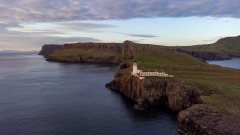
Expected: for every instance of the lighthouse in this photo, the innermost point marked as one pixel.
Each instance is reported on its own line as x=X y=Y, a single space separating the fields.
x=141 y=75
x=135 y=69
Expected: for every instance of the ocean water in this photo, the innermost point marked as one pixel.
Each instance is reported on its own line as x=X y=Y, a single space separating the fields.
x=46 y=98
x=233 y=63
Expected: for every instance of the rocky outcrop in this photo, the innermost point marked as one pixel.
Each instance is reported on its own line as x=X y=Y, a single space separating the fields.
x=128 y=50
x=194 y=117
x=176 y=95
x=202 y=119
x=48 y=49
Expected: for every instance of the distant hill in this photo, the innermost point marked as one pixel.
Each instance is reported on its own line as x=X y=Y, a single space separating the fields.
x=228 y=45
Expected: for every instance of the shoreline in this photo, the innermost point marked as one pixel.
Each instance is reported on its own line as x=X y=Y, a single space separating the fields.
x=180 y=96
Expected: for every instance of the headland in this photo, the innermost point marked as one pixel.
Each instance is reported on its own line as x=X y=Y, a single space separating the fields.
x=205 y=96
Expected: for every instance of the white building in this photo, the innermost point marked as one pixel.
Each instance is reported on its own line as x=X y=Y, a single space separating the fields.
x=142 y=75
x=135 y=69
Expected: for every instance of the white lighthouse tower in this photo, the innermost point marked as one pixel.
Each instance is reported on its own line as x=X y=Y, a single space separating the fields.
x=135 y=69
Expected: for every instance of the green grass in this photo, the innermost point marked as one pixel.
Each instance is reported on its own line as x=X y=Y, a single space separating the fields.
x=229 y=45
x=219 y=86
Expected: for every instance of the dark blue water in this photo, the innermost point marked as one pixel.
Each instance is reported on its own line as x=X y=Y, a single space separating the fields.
x=44 y=98
x=233 y=63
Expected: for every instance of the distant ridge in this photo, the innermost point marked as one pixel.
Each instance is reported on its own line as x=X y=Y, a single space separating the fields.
x=8 y=51
x=228 y=45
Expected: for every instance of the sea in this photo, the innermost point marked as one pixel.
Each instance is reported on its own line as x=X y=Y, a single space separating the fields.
x=233 y=63
x=48 y=98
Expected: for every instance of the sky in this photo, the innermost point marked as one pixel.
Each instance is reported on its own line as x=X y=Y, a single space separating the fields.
x=29 y=24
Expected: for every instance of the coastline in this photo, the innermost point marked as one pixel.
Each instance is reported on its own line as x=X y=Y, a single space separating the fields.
x=178 y=96
x=225 y=63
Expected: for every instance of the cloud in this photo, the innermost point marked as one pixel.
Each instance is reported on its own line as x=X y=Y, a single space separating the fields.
x=72 y=15
x=14 y=12
x=59 y=27
x=82 y=26
x=142 y=35
x=31 y=40
x=137 y=35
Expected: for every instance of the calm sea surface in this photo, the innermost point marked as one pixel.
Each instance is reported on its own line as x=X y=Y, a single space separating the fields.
x=46 y=98
x=233 y=63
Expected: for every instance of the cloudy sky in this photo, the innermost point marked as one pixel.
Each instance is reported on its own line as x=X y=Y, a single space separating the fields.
x=28 y=24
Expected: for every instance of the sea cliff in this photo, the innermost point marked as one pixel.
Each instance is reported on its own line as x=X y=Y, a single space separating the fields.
x=206 y=55
x=51 y=52
x=98 y=53
x=146 y=93
x=48 y=49
x=194 y=92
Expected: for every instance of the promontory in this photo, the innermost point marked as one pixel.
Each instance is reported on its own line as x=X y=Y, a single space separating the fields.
x=206 y=97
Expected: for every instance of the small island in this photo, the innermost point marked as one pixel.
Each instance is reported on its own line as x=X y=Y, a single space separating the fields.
x=206 y=97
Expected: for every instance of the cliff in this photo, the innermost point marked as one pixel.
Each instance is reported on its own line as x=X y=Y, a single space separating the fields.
x=48 y=49
x=198 y=91
x=203 y=119
x=86 y=53
x=205 y=96
x=206 y=55
x=176 y=95
x=75 y=57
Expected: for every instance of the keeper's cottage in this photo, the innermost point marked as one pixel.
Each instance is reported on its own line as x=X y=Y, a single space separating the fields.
x=141 y=75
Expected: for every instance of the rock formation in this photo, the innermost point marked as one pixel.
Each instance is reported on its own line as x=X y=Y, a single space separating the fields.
x=48 y=49
x=176 y=95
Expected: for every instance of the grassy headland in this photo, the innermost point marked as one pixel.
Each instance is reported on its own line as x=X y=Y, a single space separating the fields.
x=228 y=45
x=87 y=52
x=218 y=86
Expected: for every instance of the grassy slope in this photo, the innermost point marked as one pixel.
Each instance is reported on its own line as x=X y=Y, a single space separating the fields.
x=219 y=86
x=229 y=45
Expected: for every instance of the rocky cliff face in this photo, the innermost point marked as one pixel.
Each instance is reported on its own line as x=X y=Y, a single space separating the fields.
x=127 y=49
x=48 y=49
x=177 y=96
x=98 y=53
x=194 y=117
x=86 y=59
x=201 y=119
x=206 y=55
x=100 y=46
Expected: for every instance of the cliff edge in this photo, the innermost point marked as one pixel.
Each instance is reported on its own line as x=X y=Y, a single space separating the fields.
x=206 y=96
x=146 y=93
x=198 y=91
x=48 y=49
x=101 y=53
